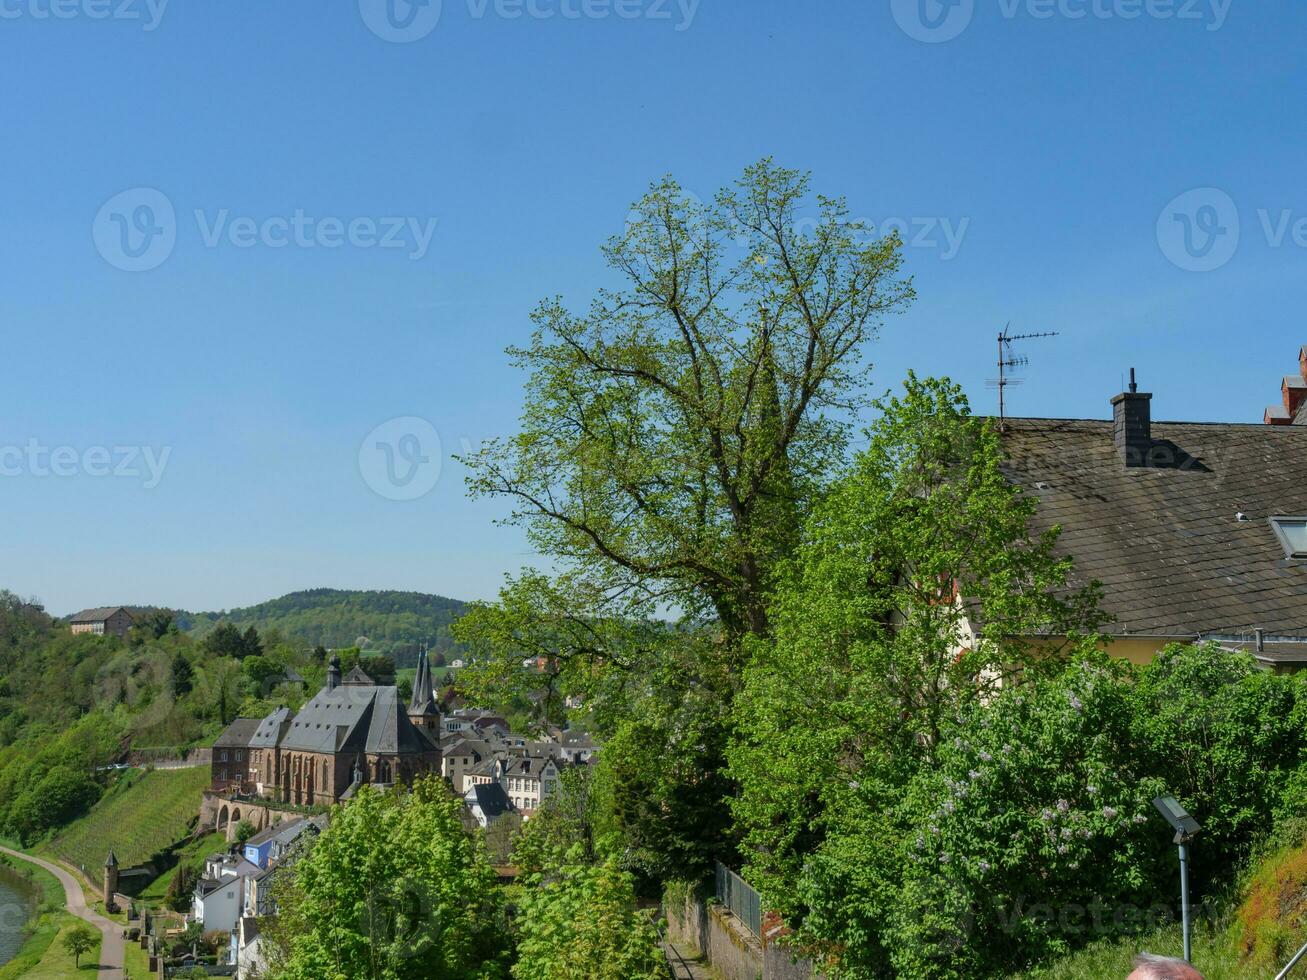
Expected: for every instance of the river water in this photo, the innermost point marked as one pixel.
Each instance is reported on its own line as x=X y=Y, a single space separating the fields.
x=16 y=907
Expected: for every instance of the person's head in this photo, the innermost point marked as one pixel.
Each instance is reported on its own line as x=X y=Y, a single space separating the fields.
x=1150 y=967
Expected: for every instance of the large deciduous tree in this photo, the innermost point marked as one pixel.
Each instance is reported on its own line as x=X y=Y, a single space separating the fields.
x=675 y=432
x=674 y=437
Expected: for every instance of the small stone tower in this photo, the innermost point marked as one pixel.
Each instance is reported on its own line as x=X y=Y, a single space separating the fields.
x=333 y=673
x=110 y=881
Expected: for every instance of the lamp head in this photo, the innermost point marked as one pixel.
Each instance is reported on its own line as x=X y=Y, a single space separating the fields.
x=1178 y=817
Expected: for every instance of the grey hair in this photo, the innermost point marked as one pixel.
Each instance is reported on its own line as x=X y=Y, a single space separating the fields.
x=1165 y=968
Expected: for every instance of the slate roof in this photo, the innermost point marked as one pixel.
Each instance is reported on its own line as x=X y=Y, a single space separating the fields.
x=270 y=729
x=238 y=733
x=97 y=615
x=490 y=797
x=1274 y=653
x=460 y=746
x=355 y=718
x=1173 y=557
x=357 y=676
x=286 y=831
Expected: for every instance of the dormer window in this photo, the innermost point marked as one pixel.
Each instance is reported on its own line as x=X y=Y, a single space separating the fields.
x=1292 y=532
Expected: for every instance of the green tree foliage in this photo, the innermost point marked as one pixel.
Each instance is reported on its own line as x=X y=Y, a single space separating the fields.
x=394 y=888
x=581 y=923
x=179 y=896
x=673 y=429
x=225 y=641
x=220 y=688
x=873 y=649
x=251 y=645
x=45 y=776
x=676 y=434
x=244 y=831
x=1031 y=831
x=61 y=794
x=154 y=624
x=79 y=940
x=183 y=675
x=563 y=825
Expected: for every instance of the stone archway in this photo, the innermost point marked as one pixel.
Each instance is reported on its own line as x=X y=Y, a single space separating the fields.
x=223 y=819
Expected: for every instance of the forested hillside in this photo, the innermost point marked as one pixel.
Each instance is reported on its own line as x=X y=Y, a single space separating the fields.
x=395 y=623
x=72 y=704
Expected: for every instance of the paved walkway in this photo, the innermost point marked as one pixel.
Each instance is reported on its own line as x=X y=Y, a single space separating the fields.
x=111 y=945
x=684 y=966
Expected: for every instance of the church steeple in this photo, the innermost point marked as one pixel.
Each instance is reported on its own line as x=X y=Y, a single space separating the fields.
x=422 y=710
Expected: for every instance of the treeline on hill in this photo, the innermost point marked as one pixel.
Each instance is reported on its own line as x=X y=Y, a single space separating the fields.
x=396 y=624
x=72 y=704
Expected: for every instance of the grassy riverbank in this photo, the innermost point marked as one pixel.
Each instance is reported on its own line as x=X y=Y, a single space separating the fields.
x=41 y=956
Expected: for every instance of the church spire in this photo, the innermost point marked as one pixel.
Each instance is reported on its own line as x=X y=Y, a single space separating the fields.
x=421 y=705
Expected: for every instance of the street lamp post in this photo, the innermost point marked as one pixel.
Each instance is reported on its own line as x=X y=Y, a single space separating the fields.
x=1186 y=827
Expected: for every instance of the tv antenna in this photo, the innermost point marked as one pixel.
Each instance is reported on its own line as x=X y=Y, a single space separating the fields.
x=1008 y=361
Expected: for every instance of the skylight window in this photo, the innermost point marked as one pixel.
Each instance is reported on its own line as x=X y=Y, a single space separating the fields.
x=1292 y=532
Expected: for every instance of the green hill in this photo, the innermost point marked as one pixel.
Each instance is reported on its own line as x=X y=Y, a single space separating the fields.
x=142 y=814
x=395 y=623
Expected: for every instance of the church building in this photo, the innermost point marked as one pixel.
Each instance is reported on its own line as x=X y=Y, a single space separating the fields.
x=351 y=732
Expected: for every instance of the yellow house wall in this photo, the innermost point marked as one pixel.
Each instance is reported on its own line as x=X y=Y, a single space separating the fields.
x=1138 y=650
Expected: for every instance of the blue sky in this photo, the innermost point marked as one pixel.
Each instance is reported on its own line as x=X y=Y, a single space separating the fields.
x=1051 y=147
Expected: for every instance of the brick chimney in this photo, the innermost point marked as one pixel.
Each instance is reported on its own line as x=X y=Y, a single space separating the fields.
x=1132 y=424
x=1293 y=392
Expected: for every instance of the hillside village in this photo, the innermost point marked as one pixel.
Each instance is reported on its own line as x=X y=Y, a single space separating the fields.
x=274 y=780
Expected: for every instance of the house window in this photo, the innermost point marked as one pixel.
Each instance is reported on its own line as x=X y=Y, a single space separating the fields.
x=1292 y=532
x=240 y=756
x=222 y=756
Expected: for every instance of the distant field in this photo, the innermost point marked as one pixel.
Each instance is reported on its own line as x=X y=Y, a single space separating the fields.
x=141 y=815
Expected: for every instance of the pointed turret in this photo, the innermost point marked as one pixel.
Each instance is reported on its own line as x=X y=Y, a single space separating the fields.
x=333 y=673
x=110 y=882
x=422 y=710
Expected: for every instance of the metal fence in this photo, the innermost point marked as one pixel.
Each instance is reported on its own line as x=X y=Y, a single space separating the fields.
x=738 y=896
